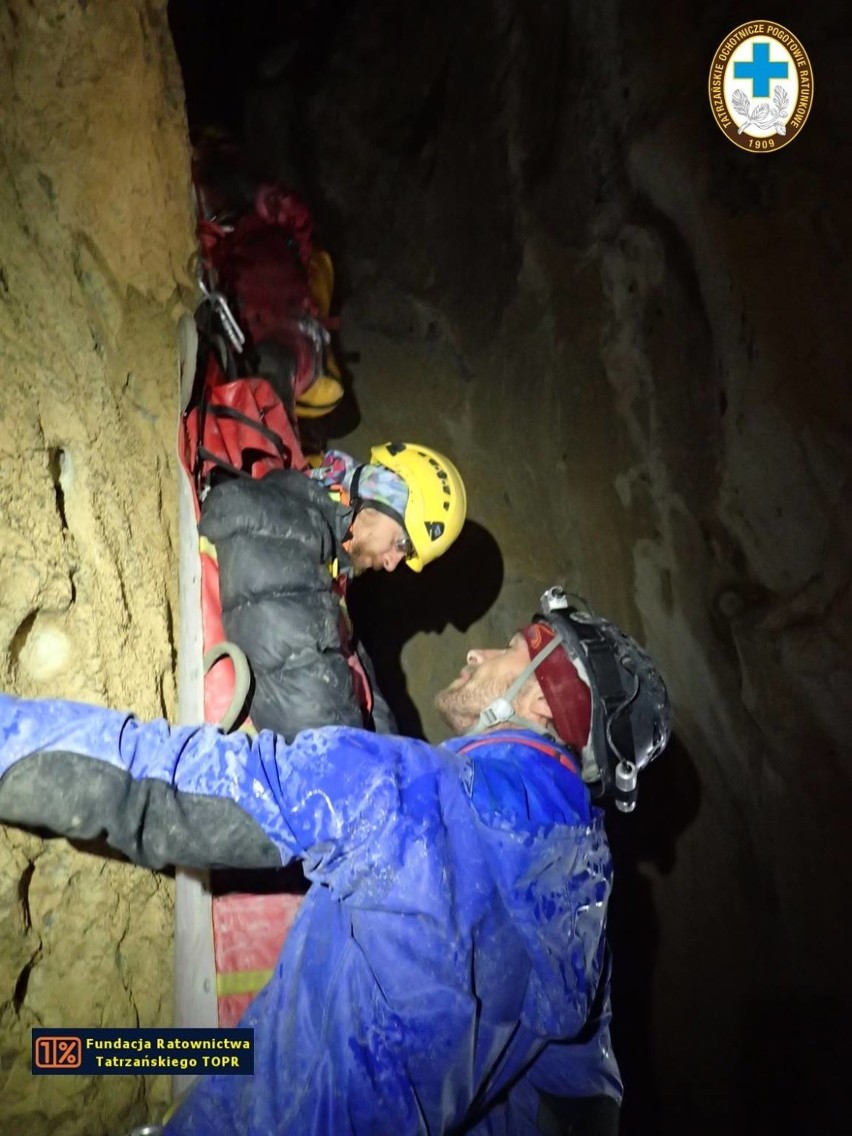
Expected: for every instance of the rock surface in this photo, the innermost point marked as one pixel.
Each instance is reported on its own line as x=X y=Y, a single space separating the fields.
x=94 y=245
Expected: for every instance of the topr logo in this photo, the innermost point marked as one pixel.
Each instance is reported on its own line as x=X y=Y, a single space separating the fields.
x=761 y=86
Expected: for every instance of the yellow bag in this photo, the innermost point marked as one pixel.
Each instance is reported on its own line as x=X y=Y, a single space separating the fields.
x=326 y=391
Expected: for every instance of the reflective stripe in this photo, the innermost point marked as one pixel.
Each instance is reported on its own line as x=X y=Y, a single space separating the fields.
x=347 y=619
x=205 y=545
x=241 y=982
x=339 y=495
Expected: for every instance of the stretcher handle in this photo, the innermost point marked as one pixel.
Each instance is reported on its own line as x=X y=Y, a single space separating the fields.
x=242 y=679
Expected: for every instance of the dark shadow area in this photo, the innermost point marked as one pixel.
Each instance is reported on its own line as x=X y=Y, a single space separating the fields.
x=221 y=43
x=238 y=59
x=223 y=881
x=97 y=847
x=388 y=610
x=795 y=1052
x=290 y=879
x=669 y=800
x=216 y=53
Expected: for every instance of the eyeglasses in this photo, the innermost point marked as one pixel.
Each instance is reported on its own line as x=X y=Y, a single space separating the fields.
x=403 y=544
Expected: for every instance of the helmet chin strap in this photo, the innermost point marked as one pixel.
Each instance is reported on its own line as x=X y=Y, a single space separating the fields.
x=501 y=709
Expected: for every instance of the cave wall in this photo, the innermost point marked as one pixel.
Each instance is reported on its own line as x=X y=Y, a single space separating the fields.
x=631 y=336
x=95 y=238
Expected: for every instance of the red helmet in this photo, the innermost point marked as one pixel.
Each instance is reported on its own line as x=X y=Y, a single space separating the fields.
x=607 y=700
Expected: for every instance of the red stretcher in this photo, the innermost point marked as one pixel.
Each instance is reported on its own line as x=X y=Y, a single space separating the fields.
x=239 y=427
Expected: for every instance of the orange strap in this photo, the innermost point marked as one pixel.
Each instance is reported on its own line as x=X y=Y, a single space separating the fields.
x=338 y=493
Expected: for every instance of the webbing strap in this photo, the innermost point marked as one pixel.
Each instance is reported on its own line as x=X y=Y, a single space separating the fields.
x=238 y=416
x=533 y=666
x=204 y=455
x=502 y=710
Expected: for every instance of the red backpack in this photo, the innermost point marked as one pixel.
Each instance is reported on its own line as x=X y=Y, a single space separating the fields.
x=230 y=427
x=261 y=264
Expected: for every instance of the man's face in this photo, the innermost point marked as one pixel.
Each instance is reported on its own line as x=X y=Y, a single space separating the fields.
x=487 y=675
x=378 y=542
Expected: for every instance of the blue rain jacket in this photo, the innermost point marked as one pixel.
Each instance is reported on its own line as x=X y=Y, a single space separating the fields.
x=449 y=965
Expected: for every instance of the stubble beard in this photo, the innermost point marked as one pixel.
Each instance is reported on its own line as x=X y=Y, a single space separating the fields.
x=361 y=561
x=460 y=705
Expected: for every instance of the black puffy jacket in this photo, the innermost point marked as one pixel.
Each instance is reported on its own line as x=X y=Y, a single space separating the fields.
x=275 y=538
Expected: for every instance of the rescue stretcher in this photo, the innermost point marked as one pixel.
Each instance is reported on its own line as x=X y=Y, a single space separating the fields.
x=230 y=927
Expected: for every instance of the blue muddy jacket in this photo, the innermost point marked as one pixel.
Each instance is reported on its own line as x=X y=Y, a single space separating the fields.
x=448 y=969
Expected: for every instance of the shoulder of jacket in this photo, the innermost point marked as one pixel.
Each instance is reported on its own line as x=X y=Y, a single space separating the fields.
x=525 y=776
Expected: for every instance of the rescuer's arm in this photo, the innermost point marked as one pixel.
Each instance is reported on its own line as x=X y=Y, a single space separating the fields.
x=187 y=795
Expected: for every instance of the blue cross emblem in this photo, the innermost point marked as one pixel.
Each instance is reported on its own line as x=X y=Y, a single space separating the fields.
x=760 y=71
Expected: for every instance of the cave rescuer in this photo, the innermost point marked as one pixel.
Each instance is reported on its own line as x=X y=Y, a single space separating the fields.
x=287 y=545
x=448 y=972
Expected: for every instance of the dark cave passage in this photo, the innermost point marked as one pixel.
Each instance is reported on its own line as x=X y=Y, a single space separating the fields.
x=554 y=265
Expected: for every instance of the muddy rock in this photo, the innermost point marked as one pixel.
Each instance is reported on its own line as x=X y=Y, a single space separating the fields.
x=95 y=242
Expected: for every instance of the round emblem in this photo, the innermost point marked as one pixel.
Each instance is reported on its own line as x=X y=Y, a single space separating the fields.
x=761 y=86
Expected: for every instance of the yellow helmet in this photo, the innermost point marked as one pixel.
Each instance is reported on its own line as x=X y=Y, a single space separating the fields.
x=437 y=502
